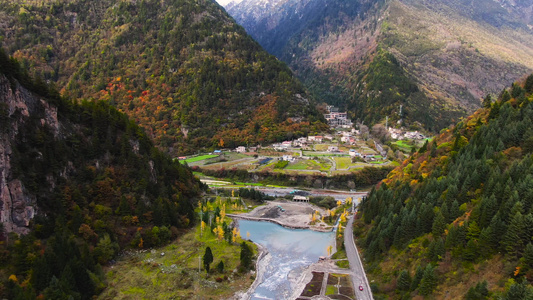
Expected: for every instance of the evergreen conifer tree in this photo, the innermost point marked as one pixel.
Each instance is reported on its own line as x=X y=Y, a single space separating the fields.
x=220 y=267
x=429 y=281
x=417 y=278
x=246 y=256
x=528 y=256
x=208 y=258
x=512 y=240
x=404 y=281
x=479 y=292
x=439 y=224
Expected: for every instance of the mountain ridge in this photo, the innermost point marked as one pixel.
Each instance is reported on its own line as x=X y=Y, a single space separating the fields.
x=78 y=182
x=443 y=48
x=183 y=70
x=445 y=215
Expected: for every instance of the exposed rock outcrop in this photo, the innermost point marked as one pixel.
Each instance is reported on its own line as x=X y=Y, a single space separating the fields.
x=17 y=206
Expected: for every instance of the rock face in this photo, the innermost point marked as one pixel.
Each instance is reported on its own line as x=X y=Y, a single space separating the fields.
x=17 y=206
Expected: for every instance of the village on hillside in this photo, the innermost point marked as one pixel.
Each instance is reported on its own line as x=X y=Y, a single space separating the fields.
x=343 y=150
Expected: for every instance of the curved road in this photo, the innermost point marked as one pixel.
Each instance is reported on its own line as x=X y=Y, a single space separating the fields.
x=358 y=272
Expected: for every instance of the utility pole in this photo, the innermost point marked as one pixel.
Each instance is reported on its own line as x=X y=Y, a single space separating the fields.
x=387 y=123
x=401 y=110
x=199 y=261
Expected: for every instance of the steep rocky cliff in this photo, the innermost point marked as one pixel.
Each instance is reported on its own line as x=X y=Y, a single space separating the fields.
x=17 y=205
x=78 y=182
x=59 y=156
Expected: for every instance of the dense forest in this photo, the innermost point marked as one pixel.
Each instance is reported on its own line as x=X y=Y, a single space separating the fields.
x=456 y=219
x=385 y=85
x=183 y=70
x=98 y=183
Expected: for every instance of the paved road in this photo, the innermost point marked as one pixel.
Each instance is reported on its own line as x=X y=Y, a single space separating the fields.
x=359 y=275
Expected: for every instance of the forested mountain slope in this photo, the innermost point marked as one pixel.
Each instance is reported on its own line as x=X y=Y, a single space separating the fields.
x=182 y=69
x=81 y=181
x=456 y=219
x=435 y=58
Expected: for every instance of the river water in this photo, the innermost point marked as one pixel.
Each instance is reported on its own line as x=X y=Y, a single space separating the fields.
x=289 y=249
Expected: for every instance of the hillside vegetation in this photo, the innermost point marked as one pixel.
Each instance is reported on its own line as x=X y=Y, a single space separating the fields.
x=456 y=219
x=93 y=178
x=182 y=69
x=436 y=59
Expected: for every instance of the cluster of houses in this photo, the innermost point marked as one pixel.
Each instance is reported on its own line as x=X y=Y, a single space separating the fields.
x=399 y=134
x=346 y=137
x=366 y=157
x=337 y=119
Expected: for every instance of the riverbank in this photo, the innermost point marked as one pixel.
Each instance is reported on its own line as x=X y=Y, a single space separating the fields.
x=263 y=258
x=175 y=271
x=294 y=215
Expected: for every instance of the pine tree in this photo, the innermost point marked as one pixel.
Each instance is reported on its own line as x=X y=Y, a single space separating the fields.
x=519 y=291
x=494 y=110
x=417 y=278
x=528 y=256
x=512 y=240
x=439 y=224
x=505 y=96
x=220 y=267
x=529 y=84
x=246 y=256
x=487 y=101
x=479 y=292
x=471 y=251
x=404 y=281
x=429 y=281
x=208 y=258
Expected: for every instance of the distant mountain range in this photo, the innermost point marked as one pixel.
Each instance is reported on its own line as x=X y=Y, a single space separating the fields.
x=184 y=70
x=434 y=58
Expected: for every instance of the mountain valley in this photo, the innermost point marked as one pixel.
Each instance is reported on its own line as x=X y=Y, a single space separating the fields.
x=135 y=134
x=443 y=57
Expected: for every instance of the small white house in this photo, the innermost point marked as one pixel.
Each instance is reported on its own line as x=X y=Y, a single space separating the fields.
x=333 y=149
x=286 y=144
x=354 y=153
x=277 y=147
x=316 y=138
x=287 y=158
x=240 y=149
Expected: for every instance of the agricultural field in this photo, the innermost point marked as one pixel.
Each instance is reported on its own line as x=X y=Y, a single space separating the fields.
x=345 y=162
x=307 y=161
x=340 y=284
x=308 y=164
x=199 y=158
x=404 y=146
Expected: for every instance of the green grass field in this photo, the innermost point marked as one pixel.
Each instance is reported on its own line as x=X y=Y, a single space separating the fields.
x=308 y=165
x=199 y=158
x=171 y=272
x=344 y=162
x=403 y=145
